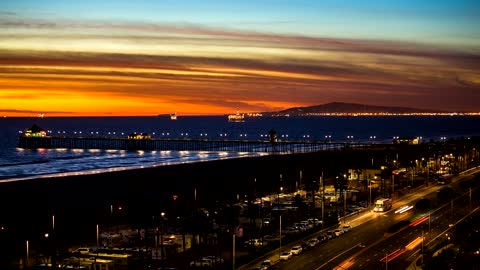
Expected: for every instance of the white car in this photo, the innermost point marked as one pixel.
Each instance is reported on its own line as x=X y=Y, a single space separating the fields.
x=285 y=256
x=347 y=228
x=201 y=262
x=296 y=250
x=338 y=232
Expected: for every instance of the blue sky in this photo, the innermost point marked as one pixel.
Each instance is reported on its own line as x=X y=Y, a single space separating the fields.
x=426 y=21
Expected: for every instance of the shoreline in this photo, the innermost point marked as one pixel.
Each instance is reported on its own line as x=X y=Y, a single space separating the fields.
x=126 y=168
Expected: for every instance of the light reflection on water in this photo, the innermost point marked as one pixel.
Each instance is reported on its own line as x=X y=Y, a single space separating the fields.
x=64 y=162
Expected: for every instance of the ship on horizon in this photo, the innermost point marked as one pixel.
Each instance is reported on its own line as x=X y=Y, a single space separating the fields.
x=236 y=117
x=173 y=116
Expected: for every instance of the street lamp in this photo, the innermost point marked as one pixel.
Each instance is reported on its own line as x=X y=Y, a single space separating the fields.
x=161 y=236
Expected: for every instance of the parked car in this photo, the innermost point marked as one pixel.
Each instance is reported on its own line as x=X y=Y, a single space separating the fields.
x=322 y=238
x=267 y=264
x=338 y=232
x=314 y=221
x=296 y=250
x=285 y=256
x=214 y=259
x=270 y=238
x=347 y=228
x=313 y=242
x=331 y=234
x=291 y=229
x=253 y=242
x=201 y=262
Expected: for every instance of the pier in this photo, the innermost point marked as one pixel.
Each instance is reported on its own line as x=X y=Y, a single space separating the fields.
x=162 y=144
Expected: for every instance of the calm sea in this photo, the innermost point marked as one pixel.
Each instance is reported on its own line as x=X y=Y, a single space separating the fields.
x=18 y=164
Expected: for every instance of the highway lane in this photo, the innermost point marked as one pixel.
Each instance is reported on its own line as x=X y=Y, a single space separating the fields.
x=369 y=242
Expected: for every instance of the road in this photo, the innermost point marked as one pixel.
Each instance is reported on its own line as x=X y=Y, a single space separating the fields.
x=370 y=245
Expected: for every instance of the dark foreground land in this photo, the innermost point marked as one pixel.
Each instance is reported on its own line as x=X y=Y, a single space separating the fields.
x=134 y=197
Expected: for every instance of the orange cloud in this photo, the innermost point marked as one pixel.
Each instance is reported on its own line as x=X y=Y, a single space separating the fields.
x=138 y=69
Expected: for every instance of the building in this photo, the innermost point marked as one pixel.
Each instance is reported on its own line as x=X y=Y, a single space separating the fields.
x=407 y=140
x=35 y=131
x=139 y=136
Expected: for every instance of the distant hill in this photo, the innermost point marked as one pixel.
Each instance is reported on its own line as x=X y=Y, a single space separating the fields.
x=346 y=108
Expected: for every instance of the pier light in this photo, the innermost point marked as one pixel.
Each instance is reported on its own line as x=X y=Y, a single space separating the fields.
x=186 y=134
x=181 y=134
x=221 y=135
x=153 y=133
x=241 y=135
x=64 y=132
x=122 y=133
x=206 y=134
x=80 y=132
x=109 y=133
x=113 y=133
x=163 y=134
x=97 y=132
x=74 y=132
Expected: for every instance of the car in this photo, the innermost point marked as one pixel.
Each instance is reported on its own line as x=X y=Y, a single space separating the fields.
x=201 y=262
x=347 y=228
x=313 y=242
x=267 y=264
x=285 y=256
x=291 y=229
x=214 y=259
x=331 y=234
x=296 y=250
x=270 y=238
x=322 y=238
x=338 y=232
x=253 y=242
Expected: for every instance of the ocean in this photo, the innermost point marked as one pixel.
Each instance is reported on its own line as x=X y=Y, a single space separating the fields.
x=20 y=164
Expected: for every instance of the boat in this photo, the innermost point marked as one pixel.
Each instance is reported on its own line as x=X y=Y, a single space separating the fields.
x=173 y=116
x=236 y=117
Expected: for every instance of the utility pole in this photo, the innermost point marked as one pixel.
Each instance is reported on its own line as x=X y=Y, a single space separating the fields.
x=323 y=194
x=393 y=186
x=345 y=207
x=422 y=246
x=280 y=248
x=233 y=248
x=386 y=261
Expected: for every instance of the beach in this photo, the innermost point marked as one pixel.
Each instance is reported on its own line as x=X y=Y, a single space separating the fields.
x=78 y=203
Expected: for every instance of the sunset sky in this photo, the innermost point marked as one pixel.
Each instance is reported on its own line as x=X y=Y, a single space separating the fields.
x=116 y=57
